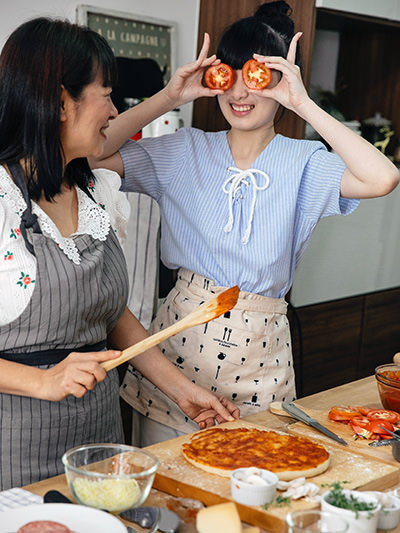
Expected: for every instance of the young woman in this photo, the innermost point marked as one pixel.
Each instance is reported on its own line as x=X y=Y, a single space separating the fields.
x=62 y=275
x=239 y=207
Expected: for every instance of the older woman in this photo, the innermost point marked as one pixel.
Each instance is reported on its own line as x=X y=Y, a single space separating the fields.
x=63 y=277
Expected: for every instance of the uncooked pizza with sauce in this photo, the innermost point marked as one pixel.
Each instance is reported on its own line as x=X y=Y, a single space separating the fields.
x=221 y=450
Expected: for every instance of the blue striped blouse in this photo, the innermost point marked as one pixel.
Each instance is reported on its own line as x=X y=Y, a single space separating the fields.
x=185 y=173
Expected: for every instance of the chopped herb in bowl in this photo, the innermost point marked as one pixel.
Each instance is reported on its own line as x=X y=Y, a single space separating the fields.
x=359 y=509
x=339 y=498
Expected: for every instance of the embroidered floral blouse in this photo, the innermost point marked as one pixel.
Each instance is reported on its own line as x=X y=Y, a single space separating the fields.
x=18 y=266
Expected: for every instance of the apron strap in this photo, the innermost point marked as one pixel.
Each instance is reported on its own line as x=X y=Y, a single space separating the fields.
x=28 y=219
x=49 y=357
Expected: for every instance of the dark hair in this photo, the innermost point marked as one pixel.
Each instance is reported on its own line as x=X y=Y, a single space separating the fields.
x=40 y=57
x=268 y=32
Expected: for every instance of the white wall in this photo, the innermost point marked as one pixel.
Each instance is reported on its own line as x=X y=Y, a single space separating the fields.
x=389 y=9
x=352 y=255
x=184 y=13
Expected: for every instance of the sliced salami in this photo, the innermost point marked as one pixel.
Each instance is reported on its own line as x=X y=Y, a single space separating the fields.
x=44 y=526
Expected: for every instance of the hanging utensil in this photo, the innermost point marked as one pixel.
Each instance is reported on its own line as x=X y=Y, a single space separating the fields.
x=204 y=313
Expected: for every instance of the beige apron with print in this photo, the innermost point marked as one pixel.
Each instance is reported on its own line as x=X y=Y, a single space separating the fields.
x=244 y=355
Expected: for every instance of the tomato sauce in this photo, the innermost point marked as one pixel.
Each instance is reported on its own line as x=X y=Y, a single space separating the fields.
x=390 y=395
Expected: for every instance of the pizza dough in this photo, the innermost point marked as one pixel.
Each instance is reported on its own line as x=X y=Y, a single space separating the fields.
x=219 y=451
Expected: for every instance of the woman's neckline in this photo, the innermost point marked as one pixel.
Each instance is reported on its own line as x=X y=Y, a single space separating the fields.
x=246 y=162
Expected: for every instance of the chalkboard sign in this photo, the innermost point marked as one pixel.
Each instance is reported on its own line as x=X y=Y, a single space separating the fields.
x=134 y=36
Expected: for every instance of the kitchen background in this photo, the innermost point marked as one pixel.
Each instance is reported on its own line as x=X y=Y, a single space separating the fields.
x=345 y=302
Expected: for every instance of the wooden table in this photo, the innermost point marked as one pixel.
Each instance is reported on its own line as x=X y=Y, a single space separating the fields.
x=361 y=392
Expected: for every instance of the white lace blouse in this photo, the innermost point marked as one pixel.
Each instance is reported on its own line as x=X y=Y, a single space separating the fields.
x=18 y=266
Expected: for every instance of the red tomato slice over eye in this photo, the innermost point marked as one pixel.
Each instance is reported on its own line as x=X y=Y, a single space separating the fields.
x=384 y=414
x=256 y=75
x=219 y=77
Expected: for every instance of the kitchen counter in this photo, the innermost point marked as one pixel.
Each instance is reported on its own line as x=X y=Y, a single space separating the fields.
x=361 y=392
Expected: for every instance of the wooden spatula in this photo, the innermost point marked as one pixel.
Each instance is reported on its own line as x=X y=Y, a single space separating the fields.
x=204 y=313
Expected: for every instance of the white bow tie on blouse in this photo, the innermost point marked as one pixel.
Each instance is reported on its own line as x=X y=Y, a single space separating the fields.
x=232 y=185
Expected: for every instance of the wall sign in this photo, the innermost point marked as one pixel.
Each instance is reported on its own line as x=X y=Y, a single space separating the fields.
x=134 y=36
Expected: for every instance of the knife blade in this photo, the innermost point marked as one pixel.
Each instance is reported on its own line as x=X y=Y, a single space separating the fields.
x=297 y=413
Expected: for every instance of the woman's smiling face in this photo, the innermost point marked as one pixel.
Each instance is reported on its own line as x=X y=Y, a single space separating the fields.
x=246 y=110
x=83 y=123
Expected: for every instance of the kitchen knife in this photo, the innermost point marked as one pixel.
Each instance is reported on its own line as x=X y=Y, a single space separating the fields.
x=297 y=413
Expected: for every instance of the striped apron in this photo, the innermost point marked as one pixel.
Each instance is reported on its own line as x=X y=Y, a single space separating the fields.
x=73 y=308
x=244 y=355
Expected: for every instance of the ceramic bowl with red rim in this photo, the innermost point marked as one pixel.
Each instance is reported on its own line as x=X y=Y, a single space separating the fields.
x=388 y=382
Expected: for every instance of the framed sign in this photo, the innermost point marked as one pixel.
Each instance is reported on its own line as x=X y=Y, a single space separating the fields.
x=134 y=36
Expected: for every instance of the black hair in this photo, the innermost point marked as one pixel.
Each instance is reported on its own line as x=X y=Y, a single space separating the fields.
x=268 y=32
x=40 y=57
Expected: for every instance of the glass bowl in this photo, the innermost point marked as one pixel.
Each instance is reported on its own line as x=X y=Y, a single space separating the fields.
x=111 y=477
x=388 y=382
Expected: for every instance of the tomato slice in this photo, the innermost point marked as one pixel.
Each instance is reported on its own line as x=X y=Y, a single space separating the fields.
x=384 y=414
x=360 y=426
x=362 y=432
x=342 y=414
x=256 y=75
x=379 y=426
x=363 y=410
x=360 y=421
x=219 y=77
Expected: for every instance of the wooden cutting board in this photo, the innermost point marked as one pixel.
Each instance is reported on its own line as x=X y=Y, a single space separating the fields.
x=178 y=477
x=360 y=446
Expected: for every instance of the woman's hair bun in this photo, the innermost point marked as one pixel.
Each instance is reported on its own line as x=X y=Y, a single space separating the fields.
x=277 y=15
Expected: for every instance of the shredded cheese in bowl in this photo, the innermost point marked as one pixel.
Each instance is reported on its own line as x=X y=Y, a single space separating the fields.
x=114 y=495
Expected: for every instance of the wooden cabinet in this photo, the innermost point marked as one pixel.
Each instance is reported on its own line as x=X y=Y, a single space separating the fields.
x=340 y=341
x=215 y=16
x=368 y=67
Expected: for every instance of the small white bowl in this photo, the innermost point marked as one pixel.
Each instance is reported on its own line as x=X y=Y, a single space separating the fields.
x=246 y=491
x=363 y=521
x=389 y=515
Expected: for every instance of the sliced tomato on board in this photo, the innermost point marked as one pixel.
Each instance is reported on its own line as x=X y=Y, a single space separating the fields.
x=342 y=414
x=256 y=75
x=219 y=77
x=360 y=426
x=379 y=427
x=363 y=410
x=361 y=421
x=384 y=414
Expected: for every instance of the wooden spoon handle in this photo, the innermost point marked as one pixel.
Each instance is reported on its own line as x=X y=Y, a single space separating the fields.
x=144 y=345
x=204 y=313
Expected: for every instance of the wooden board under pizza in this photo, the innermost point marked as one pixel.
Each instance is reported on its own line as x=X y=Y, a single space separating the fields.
x=178 y=477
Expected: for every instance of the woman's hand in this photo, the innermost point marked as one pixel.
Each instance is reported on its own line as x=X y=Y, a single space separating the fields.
x=290 y=90
x=75 y=375
x=185 y=84
x=206 y=408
